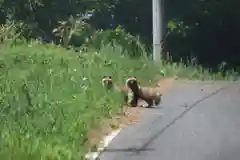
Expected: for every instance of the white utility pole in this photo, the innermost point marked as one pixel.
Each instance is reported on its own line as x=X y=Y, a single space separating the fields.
x=157 y=17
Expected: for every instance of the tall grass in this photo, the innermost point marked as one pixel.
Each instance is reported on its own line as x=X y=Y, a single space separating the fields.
x=51 y=97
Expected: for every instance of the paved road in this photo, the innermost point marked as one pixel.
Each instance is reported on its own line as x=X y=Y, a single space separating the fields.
x=196 y=121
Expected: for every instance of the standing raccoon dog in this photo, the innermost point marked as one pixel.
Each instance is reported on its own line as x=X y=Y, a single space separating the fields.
x=107 y=82
x=151 y=95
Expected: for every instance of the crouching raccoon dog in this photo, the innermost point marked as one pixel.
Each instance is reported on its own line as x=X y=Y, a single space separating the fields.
x=107 y=82
x=151 y=95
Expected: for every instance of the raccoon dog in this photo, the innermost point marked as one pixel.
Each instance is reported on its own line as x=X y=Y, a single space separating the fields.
x=151 y=95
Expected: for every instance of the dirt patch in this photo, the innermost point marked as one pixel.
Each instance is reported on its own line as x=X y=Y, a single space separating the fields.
x=163 y=83
x=130 y=116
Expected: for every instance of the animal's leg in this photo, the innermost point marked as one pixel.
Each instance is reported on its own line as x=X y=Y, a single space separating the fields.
x=134 y=100
x=158 y=100
x=150 y=103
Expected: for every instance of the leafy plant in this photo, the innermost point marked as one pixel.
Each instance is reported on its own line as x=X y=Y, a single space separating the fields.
x=67 y=29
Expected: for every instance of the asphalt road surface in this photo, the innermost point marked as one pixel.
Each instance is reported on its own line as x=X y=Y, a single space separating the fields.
x=196 y=121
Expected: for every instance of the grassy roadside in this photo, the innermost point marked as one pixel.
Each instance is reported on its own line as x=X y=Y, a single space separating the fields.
x=51 y=98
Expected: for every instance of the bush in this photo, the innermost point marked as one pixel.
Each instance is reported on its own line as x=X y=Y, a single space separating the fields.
x=117 y=37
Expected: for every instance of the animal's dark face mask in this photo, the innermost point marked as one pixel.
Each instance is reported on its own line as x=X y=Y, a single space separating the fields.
x=131 y=82
x=107 y=82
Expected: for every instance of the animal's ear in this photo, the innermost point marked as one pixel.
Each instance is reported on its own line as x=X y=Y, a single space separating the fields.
x=128 y=77
x=110 y=77
x=132 y=77
x=104 y=76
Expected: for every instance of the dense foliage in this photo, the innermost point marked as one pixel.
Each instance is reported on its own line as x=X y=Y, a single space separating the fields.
x=207 y=30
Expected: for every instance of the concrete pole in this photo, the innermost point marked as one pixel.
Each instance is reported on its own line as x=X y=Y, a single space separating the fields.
x=157 y=17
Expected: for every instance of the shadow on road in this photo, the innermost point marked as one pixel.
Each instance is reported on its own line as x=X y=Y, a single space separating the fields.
x=136 y=150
